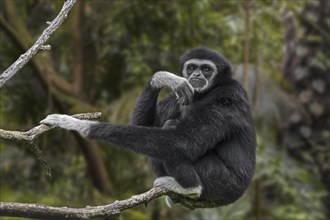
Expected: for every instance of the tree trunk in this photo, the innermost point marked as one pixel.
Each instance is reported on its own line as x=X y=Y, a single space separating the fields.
x=95 y=165
x=78 y=47
x=90 y=150
x=247 y=22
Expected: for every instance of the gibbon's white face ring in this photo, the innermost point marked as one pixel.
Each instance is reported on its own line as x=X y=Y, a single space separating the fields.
x=200 y=62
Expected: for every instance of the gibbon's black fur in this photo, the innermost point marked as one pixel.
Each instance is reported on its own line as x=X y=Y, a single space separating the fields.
x=206 y=142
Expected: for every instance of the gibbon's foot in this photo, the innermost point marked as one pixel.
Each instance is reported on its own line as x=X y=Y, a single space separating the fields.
x=58 y=120
x=69 y=123
x=170 y=203
x=171 y=184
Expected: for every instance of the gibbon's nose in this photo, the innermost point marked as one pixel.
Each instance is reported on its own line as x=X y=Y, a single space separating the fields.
x=197 y=74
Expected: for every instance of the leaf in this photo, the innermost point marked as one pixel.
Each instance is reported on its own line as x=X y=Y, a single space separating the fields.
x=318 y=85
x=305 y=131
x=302 y=51
x=300 y=73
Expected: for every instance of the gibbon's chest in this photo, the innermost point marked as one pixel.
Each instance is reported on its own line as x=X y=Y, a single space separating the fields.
x=185 y=110
x=180 y=112
x=175 y=119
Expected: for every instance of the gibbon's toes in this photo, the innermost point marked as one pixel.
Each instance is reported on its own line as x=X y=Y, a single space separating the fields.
x=194 y=195
x=171 y=184
x=170 y=203
x=49 y=120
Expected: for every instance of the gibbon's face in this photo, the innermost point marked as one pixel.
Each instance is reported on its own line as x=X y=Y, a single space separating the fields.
x=199 y=73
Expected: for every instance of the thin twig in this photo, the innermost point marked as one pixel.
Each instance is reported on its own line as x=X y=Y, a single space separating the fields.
x=38 y=45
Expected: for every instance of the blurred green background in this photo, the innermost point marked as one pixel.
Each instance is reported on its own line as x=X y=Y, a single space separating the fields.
x=103 y=55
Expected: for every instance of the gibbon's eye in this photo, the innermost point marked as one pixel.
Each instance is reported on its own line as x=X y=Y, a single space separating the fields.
x=206 y=68
x=191 y=67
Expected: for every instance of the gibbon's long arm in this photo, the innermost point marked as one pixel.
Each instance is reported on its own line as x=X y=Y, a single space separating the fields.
x=191 y=138
x=144 y=112
x=145 y=108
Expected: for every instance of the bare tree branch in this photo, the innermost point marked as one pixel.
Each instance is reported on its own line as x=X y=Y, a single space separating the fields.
x=38 y=45
x=110 y=211
x=40 y=129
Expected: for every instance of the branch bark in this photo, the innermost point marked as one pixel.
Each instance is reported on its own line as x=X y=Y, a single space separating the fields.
x=38 y=45
x=40 y=129
x=110 y=211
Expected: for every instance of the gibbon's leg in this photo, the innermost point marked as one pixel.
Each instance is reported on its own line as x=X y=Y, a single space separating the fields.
x=182 y=179
x=158 y=167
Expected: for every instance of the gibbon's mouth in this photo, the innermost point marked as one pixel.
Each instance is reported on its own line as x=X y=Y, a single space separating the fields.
x=197 y=83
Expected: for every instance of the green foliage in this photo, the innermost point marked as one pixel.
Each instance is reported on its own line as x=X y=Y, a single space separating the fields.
x=291 y=190
x=124 y=43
